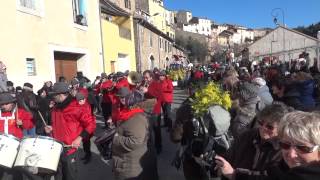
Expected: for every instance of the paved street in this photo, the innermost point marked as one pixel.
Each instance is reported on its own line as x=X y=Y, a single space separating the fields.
x=98 y=170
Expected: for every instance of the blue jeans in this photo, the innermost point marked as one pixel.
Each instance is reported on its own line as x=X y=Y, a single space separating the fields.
x=29 y=132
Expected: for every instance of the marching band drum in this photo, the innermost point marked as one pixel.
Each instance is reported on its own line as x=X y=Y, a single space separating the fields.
x=41 y=152
x=9 y=146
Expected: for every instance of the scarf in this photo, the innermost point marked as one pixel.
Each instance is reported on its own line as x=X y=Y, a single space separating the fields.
x=127 y=113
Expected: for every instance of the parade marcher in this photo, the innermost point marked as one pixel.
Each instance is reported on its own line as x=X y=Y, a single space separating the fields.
x=81 y=78
x=11 y=88
x=43 y=102
x=85 y=141
x=30 y=100
x=258 y=148
x=130 y=151
x=167 y=92
x=106 y=92
x=151 y=89
x=71 y=123
x=13 y=120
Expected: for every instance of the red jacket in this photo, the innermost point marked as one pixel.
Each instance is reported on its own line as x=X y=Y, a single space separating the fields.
x=198 y=75
x=123 y=82
x=167 y=90
x=106 y=96
x=70 y=121
x=84 y=91
x=154 y=91
x=13 y=128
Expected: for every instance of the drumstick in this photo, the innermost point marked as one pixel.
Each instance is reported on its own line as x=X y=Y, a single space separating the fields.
x=41 y=117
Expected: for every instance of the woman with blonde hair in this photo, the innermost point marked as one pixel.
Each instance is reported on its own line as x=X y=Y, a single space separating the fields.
x=299 y=136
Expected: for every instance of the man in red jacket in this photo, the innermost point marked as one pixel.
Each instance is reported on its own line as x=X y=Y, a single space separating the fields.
x=13 y=121
x=71 y=123
x=153 y=90
x=167 y=91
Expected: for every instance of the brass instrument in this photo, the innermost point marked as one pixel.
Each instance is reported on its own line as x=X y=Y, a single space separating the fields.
x=134 y=78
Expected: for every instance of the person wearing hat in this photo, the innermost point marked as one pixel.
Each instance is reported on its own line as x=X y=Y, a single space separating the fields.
x=30 y=101
x=130 y=153
x=13 y=120
x=70 y=123
x=167 y=91
x=249 y=105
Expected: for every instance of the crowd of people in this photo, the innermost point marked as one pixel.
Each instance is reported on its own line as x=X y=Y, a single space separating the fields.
x=272 y=130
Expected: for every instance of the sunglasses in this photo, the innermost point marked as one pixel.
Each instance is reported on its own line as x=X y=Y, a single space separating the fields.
x=266 y=125
x=300 y=148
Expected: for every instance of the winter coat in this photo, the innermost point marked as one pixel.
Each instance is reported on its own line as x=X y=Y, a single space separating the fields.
x=44 y=109
x=245 y=116
x=291 y=98
x=70 y=120
x=153 y=92
x=167 y=90
x=130 y=151
x=283 y=172
x=251 y=154
x=305 y=89
x=265 y=95
x=13 y=128
x=107 y=96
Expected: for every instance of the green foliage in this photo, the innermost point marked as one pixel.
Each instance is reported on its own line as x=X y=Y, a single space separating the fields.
x=210 y=95
x=311 y=30
x=196 y=49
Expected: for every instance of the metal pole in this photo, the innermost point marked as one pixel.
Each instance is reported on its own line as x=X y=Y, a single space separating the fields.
x=101 y=38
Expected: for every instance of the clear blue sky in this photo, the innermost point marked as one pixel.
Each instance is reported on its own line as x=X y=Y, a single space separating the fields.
x=251 y=13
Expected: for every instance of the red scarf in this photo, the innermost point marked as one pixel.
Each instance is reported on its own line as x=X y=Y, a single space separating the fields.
x=126 y=113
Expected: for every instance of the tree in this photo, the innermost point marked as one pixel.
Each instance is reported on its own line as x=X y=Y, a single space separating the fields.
x=197 y=50
x=311 y=30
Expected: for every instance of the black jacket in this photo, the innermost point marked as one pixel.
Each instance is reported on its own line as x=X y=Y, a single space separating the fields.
x=249 y=153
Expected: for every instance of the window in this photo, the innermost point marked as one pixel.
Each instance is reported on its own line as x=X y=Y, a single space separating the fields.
x=80 y=12
x=160 y=42
x=31 y=4
x=31 y=66
x=125 y=33
x=127 y=4
x=165 y=46
x=34 y=7
x=150 y=39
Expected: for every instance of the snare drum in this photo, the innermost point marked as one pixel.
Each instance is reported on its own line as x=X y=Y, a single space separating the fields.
x=9 y=146
x=41 y=152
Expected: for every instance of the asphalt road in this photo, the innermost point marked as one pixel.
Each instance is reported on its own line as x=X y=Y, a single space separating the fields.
x=100 y=170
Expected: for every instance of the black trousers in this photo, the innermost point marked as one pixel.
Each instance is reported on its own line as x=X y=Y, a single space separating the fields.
x=86 y=147
x=68 y=167
x=106 y=110
x=10 y=174
x=157 y=130
x=166 y=108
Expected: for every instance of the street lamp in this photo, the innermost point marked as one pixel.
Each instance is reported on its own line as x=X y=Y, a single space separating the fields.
x=275 y=14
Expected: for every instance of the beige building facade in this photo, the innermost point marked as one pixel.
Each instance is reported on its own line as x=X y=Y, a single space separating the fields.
x=42 y=40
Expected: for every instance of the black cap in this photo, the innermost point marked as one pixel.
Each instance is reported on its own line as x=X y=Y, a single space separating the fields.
x=123 y=92
x=59 y=88
x=6 y=98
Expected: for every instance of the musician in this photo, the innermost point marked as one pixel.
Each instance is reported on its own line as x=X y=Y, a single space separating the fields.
x=167 y=91
x=153 y=91
x=75 y=88
x=106 y=91
x=13 y=121
x=70 y=124
x=86 y=142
